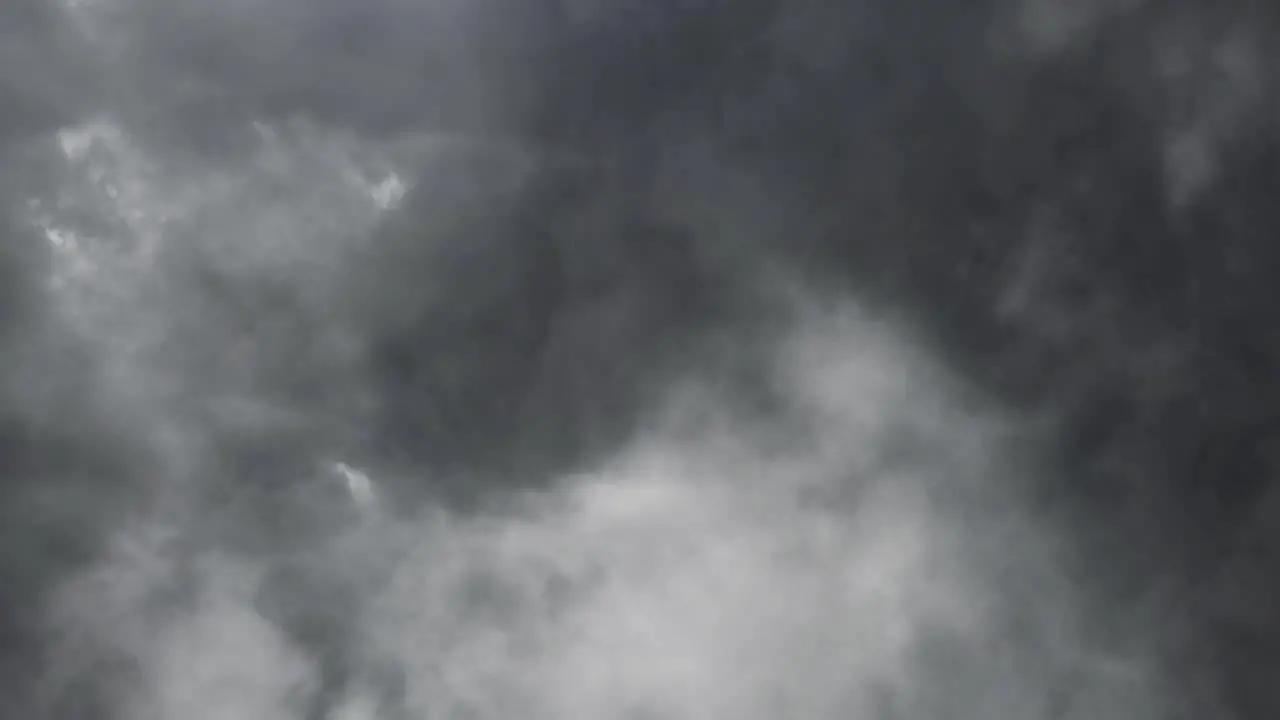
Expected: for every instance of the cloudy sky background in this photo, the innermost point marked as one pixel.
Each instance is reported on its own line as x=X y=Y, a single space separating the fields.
x=600 y=359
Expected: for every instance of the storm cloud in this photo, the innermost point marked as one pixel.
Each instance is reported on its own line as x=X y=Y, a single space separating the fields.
x=609 y=359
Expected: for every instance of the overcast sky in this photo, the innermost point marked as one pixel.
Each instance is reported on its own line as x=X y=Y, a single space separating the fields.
x=599 y=359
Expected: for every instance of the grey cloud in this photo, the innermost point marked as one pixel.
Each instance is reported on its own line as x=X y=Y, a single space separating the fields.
x=478 y=251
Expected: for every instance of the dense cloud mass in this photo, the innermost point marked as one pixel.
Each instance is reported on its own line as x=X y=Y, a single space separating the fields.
x=622 y=360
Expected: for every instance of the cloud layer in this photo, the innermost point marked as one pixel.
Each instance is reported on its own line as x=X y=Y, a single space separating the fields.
x=636 y=360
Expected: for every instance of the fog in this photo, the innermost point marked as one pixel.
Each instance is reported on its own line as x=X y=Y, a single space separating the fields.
x=592 y=359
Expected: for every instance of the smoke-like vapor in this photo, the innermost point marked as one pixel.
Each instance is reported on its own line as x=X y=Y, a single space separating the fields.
x=578 y=359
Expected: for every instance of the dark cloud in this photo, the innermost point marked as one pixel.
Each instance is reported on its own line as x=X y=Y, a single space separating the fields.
x=473 y=249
